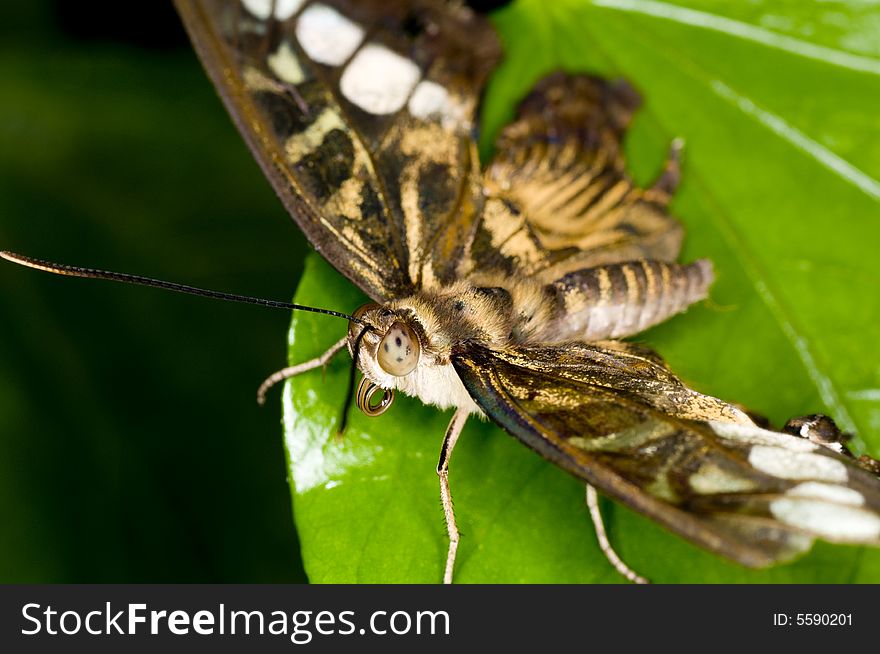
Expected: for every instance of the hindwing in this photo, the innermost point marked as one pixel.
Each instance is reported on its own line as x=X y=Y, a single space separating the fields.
x=558 y=198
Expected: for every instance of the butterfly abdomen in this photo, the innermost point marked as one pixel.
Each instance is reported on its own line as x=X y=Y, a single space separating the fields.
x=623 y=299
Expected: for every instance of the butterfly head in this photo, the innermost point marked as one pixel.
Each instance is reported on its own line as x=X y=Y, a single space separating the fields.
x=391 y=346
x=415 y=361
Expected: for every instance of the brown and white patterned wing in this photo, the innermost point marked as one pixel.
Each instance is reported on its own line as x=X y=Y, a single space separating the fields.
x=558 y=196
x=615 y=417
x=360 y=112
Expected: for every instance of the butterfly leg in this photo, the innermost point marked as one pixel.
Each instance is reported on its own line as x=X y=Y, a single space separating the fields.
x=664 y=186
x=453 y=431
x=607 y=550
x=292 y=371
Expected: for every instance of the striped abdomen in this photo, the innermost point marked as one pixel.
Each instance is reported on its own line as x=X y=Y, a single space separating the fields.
x=623 y=299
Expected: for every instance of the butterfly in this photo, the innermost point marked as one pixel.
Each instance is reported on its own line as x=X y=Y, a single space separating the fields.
x=505 y=292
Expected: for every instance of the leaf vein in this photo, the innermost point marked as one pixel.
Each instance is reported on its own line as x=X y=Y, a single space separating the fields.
x=746 y=31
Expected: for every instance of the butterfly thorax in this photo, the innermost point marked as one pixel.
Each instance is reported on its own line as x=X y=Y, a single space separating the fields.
x=496 y=310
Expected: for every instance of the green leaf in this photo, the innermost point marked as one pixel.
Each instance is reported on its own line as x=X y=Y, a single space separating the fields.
x=779 y=188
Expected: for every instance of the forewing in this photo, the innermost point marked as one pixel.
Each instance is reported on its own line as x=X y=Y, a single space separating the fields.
x=616 y=418
x=558 y=196
x=360 y=112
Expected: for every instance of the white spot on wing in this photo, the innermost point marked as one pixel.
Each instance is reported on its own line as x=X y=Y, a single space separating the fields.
x=327 y=36
x=431 y=101
x=262 y=9
x=711 y=479
x=284 y=9
x=828 y=492
x=378 y=80
x=756 y=436
x=259 y=8
x=428 y=100
x=285 y=65
x=788 y=464
x=832 y=521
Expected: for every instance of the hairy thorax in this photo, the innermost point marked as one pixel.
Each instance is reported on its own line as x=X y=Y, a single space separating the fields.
x=496 y=310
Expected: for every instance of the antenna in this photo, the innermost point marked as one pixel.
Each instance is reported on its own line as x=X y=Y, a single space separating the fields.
x=91 y=273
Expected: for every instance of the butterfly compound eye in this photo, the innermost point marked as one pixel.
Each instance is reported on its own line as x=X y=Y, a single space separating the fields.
x=399 y=350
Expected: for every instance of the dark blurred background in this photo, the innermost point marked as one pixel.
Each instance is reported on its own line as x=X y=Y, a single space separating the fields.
x=131 y=447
